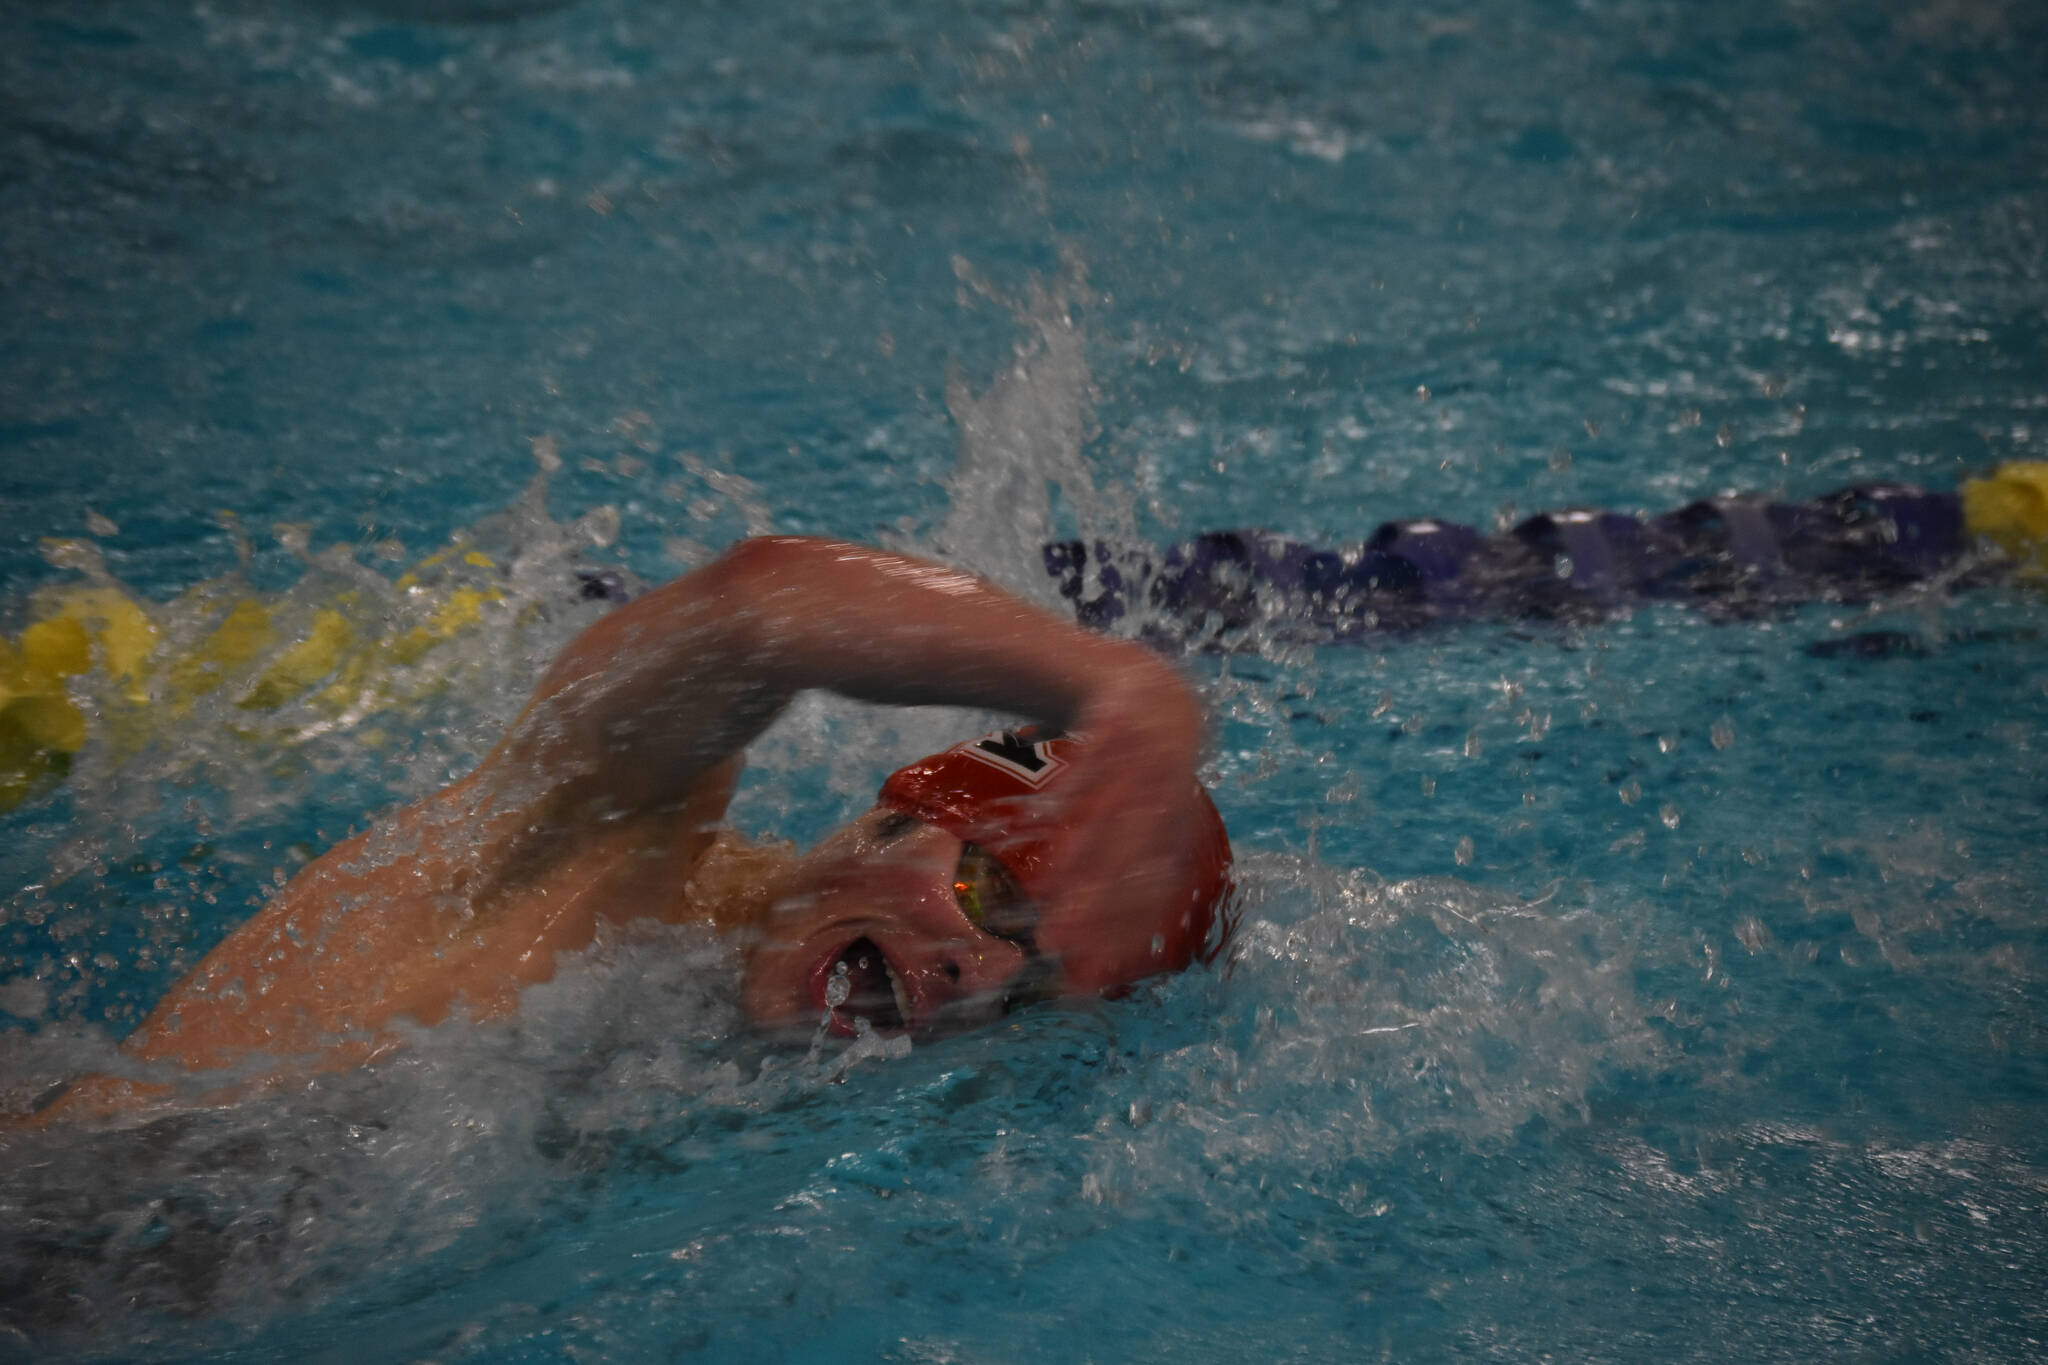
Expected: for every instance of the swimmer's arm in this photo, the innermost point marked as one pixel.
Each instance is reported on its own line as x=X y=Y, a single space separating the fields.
x=640 y=721
x=645 y=703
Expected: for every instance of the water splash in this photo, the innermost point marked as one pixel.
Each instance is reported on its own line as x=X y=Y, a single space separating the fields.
x=1021 y=441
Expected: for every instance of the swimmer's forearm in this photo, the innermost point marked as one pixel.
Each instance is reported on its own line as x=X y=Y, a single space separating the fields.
x=882 y=627
x=685 y=676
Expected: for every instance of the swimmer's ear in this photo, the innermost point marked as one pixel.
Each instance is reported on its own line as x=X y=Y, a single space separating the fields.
x=892 y=825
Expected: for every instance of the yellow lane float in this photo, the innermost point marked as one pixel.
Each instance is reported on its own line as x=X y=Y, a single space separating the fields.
x=94 y=658
x=2010 y=509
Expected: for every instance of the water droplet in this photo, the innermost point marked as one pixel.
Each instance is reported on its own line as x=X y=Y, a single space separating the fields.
x=1669 y=815
x=100 y=525
x=600 y=525
x=1428 y=785
x=1464 y=852
x=80 y=555
x=1631 y=792
x=839 y=987
x=1666 y=743
x=1723 y=733
x=1564 y=566
x=1474 y=746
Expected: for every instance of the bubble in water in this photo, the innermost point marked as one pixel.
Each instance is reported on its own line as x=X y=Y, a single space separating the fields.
x=1752 y=933
x=1723 y=733
x=24 y=997
x=1669 y=815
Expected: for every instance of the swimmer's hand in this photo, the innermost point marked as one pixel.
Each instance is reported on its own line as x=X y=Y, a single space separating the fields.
x=1132 y=819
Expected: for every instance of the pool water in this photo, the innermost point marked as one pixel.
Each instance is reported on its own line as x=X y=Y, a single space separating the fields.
x=1651 y=988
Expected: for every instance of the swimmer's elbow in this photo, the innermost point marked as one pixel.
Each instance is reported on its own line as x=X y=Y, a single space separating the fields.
x=767 y=564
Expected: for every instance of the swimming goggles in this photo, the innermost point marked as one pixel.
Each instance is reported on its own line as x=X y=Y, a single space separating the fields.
x=990 y=900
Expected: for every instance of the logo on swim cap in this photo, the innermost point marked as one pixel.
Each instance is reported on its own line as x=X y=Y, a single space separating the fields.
x=1022 y=754
x=1001 y=792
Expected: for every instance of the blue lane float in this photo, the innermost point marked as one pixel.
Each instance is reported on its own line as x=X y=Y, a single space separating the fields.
x=1730 y=557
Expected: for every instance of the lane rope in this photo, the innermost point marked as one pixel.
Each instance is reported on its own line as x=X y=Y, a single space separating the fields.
x=96 y=659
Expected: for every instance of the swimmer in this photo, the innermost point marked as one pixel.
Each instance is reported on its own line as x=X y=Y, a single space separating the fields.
x=1074 y=859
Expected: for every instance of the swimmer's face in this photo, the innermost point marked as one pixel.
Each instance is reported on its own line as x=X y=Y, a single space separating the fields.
x=899 y=923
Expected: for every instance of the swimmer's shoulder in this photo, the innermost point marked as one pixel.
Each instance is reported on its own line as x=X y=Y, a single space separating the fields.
x=734 y=878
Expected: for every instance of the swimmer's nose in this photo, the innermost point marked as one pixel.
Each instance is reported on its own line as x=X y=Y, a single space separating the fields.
x=946 y=973
x=981 y=968
x=946 y=960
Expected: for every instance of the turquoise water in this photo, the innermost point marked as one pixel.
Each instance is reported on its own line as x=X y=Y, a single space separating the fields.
x=1650 y=989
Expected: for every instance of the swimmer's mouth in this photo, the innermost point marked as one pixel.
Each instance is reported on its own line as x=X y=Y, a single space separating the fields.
x=873 y=991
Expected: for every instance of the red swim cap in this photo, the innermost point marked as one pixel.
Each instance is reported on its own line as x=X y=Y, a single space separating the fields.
x=990 y=791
